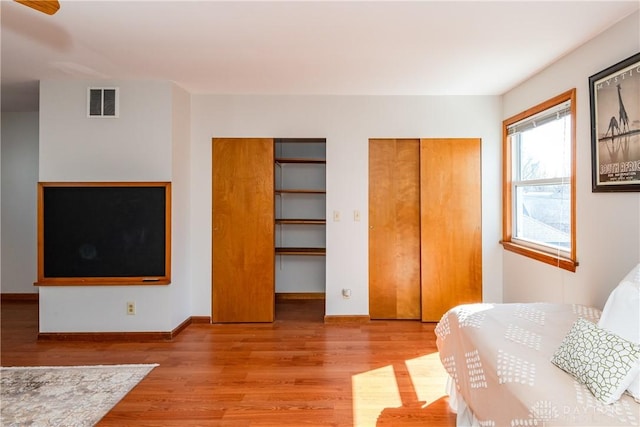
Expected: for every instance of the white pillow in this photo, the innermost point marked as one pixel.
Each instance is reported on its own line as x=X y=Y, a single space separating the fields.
x=602 y=361
x=621 y=315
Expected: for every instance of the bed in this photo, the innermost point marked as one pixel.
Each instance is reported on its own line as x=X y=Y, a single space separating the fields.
x=511 y=364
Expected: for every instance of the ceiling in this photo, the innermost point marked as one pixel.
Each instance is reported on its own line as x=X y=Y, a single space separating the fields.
x=296 y=47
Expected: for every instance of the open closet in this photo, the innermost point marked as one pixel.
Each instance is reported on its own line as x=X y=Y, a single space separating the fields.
x=269 y=225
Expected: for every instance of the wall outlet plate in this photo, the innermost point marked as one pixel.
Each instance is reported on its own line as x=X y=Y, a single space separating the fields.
x=131 y=308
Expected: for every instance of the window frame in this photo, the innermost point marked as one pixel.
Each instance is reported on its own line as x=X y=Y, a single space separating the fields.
x=552 y=256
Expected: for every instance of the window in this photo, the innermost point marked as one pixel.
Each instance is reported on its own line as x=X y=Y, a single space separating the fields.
x=539 y=183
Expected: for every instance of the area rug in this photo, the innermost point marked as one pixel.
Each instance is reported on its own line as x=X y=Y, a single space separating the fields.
x=64 y=395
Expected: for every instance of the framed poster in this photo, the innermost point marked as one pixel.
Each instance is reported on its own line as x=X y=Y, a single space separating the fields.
x=615 y=127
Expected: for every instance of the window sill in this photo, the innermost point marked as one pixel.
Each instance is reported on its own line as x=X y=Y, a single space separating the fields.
x=560 y=262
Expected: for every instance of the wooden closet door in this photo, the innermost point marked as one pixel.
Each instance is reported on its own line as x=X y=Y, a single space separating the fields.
x=451 y=228
x=394 y=229
x=243 y=230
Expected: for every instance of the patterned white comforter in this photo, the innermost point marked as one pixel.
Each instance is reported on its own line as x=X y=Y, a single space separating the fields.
x=498 y=356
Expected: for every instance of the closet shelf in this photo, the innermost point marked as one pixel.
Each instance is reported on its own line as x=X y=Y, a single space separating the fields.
x=300 y=221
x=300 y=191
x=301 y=251
x=283 y=160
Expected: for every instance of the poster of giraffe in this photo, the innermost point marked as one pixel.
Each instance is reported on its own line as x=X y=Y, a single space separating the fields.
x=615 y=126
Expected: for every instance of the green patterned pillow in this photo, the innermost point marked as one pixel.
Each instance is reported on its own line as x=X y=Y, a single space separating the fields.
x=603 y=361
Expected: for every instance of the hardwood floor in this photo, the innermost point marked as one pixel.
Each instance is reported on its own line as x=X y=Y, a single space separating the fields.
x=296 y=371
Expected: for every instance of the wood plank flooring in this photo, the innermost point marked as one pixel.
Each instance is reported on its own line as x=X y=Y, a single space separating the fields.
x=296 y=371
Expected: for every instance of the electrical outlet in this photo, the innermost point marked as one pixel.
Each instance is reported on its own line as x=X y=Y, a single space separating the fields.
x=131 y=307
x=346 y=293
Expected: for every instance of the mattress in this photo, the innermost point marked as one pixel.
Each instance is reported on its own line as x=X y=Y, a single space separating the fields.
x=499 y=359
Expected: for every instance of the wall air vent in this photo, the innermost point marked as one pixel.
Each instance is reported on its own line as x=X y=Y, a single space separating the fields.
x=103 y=102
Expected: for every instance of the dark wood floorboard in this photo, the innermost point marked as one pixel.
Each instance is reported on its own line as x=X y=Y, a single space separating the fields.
x=296 y=371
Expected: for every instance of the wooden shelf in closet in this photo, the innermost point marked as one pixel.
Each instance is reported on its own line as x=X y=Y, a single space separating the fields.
x=301 y=251
x=300 y=191
x=300 y=221
x=282 y=160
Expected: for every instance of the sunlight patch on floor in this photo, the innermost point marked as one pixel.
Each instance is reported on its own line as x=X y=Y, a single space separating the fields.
x=423 y=380
x=428 y=376
x=373 y=391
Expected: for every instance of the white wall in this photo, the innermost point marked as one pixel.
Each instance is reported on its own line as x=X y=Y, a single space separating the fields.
x=347 y=122
x=608 y=230
x=137 y=146
x=181 y=188
x=134 y=147
x=19 y=178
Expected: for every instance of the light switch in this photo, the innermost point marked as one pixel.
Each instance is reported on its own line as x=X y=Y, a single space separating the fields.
x=336 y=216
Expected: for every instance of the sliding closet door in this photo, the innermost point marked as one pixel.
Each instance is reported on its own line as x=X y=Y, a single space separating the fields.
x=451 y=236
x=394 y=229
x=243 y=230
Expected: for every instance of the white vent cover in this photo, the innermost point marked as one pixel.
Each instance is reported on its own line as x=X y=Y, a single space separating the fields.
x=103 y=102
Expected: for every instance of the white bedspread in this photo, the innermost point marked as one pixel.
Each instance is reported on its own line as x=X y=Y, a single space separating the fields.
x=498 y=356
